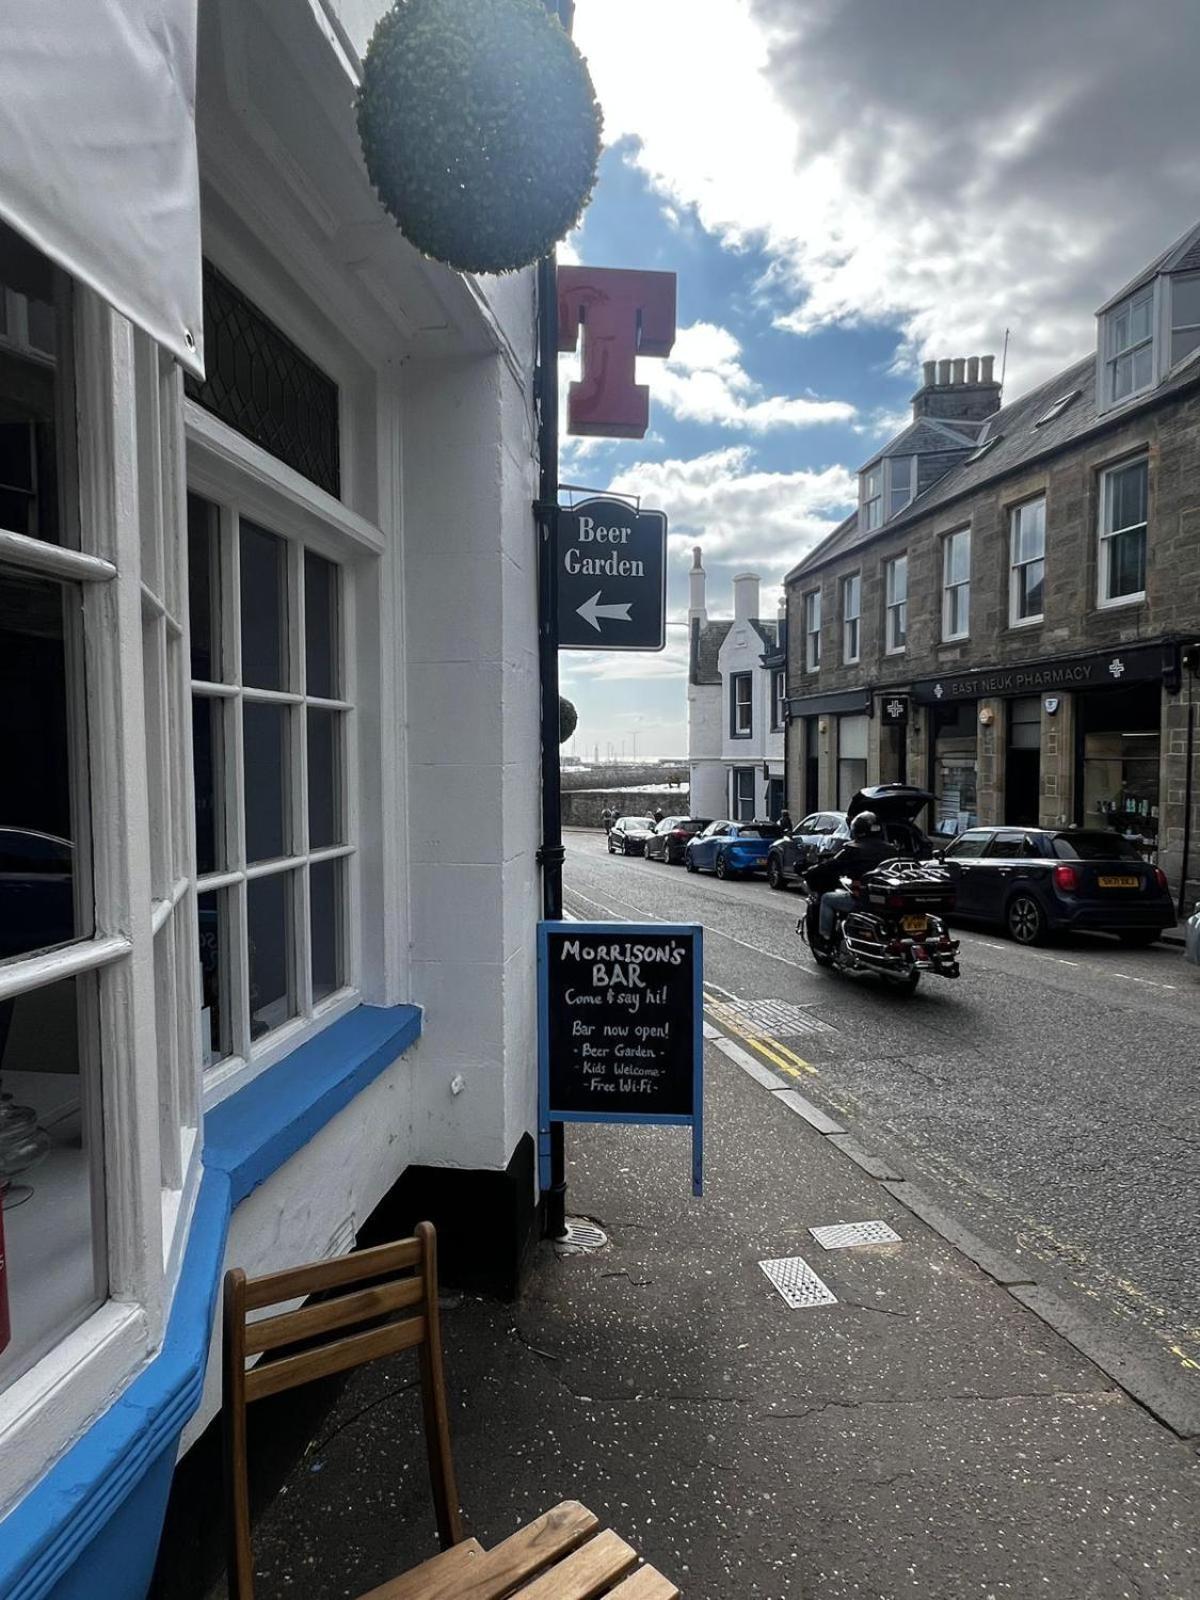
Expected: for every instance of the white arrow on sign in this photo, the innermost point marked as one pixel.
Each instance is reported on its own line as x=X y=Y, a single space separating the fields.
x=591 y=611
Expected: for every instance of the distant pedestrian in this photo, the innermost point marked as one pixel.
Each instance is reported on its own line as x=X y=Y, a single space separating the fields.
x=608 y=816
x=785 y=821
x=658 y=813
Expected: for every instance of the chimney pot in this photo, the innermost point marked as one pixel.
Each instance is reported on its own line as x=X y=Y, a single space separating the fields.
x=930 y=373
x=696 y=558
x=986 y=363
x=973 y=369
x=958 y=369
x=943 y=372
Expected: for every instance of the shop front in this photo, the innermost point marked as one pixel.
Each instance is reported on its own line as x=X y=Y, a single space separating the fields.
x=1082 y=742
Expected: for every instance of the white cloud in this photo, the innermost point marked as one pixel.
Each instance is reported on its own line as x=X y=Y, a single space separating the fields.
x=703 y=380
x=948 y=170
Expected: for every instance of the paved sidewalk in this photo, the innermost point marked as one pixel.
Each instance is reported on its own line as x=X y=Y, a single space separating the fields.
x=925 y=1436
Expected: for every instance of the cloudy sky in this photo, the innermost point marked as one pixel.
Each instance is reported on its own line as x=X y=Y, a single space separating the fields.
x=845 y=187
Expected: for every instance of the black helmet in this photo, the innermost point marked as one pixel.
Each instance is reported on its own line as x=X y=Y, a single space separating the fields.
x=864 y=825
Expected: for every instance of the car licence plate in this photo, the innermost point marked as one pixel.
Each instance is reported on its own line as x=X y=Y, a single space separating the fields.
x=913 y=924
x=1117 y=883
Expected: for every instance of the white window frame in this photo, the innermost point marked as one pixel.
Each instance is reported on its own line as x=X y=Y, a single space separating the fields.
x=245 y=481
x=126 y=404
x=892 y=462
x=778 y=698
x=1106 y=535
x=949 y=635
x=851 y=620
x=1179 y=327
x=1147 y=294
x=1016 y=516
x=872 y=496
x=812 y=630
x=895 y=608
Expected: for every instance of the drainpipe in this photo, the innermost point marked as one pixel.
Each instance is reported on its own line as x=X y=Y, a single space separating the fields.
x=1191 y=665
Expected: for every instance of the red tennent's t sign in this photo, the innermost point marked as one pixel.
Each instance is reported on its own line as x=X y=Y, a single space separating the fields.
x=624 y=315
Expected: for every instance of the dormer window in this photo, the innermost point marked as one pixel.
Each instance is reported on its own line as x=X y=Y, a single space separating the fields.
x=1185 y=315
x=1130 y=359
x=872 y=496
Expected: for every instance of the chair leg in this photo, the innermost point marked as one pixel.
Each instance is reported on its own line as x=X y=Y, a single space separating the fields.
x=433 y=1397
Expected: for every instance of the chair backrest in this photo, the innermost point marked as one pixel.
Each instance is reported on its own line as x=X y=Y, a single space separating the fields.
x=400 y=1311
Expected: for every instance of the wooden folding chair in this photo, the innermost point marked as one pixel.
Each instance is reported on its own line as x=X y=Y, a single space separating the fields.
x=389 y=1295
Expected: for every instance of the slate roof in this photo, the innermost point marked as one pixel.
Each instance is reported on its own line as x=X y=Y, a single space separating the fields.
x=1019 y=442
x=930 y=436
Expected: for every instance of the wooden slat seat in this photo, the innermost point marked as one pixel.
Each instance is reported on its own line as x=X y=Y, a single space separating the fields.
x=562 y=1555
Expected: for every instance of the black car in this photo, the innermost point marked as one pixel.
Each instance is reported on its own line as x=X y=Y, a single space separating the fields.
x=1036 y=881
x=628 y=835
x=670 y=837
x=895 y=804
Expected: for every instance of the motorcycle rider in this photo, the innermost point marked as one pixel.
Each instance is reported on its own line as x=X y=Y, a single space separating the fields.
x=865 y=848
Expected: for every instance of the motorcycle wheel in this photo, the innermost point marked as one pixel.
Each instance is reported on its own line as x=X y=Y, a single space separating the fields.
x=775 y=873
x=907 y=985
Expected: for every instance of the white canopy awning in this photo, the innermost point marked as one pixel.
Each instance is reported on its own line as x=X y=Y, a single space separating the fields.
x=98 y=163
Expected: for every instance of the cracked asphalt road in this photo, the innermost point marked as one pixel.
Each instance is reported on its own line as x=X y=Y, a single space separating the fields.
x=1049 y=1100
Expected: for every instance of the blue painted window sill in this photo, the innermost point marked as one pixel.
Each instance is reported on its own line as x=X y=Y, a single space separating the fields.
x=247 y=1137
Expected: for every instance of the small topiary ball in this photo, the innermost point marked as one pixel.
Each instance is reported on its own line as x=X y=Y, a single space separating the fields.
x=568 y=719
x=480 y=129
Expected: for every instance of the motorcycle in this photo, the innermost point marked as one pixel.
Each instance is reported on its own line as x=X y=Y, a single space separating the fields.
x=897 y=930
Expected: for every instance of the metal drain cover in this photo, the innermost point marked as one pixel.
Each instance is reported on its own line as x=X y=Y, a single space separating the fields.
x=772 y=1018
x=798 y=1283
x=843 y=1235
x=582 y=1234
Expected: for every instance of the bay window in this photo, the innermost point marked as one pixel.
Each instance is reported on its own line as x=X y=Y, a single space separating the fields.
x=896 y=604
x=1027 y=561
x=872 y=496
x=956 y=585
x=1122 y=562
x=902 y=482
x=1185 y=315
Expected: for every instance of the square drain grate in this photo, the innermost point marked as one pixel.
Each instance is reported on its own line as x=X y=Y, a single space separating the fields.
x=798 y=1283
x=843 y=1235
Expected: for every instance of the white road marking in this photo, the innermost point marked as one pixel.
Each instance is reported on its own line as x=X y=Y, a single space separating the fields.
x=742 y=1058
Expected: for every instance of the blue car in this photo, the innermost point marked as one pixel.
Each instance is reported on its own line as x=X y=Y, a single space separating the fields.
x=731 y=848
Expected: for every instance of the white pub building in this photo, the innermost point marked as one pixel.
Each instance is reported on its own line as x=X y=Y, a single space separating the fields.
x=268 y=733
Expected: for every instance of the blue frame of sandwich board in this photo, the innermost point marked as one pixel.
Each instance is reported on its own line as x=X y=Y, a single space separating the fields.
x=686 y=930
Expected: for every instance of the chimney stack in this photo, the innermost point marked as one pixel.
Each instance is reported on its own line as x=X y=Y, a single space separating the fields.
x=697 y=611
x=745 y=596
x=964 y=390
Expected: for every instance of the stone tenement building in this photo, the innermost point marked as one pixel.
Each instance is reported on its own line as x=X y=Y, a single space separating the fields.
x=1006 y=618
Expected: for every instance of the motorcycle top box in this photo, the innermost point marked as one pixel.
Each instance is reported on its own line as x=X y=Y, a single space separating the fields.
x=910 y=888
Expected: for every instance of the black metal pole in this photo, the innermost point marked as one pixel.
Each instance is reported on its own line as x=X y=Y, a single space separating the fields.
x=1187 y=800
x=551 y=853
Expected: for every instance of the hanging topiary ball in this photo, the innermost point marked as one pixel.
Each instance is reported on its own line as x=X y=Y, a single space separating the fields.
x=480 y=129
x=568 y=719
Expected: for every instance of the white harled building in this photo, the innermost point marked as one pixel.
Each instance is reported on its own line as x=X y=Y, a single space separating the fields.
x=736 y=699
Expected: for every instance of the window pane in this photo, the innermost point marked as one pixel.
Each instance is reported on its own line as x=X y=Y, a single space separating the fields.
x=43 y=900
x=1139 y=318
x=958 y=558
x=1126 y=497
x=897 y=579
x=1031 y=578
x=320 y=626
x=207 y=723
x=1127 y=563
x=212 y=920
x=1142 y=366
x=1122 y=377
x=1185 y=300
x=264 y=608
x=1183 y=343
x=204 y=589
x=269 y=918
x=50 y=1169
x=29 y=395
x=325 y=909
x=265 y=761
x=324 y=779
